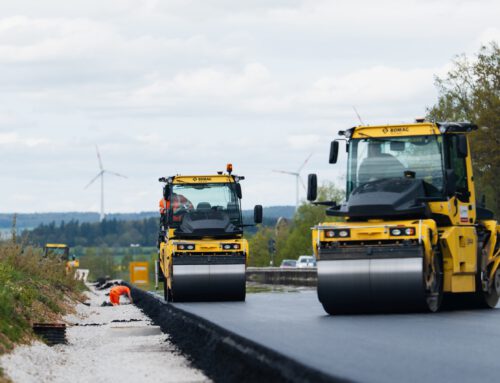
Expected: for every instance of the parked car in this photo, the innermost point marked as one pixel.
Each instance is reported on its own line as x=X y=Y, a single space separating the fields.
x=306 y=261
x=288 y=264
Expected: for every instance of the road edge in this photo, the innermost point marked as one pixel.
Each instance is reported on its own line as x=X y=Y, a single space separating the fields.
x=206 y=344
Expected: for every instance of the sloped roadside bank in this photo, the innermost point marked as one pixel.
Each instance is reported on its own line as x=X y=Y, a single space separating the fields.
x=222 y=355
x=104 y=344
x=33 y=289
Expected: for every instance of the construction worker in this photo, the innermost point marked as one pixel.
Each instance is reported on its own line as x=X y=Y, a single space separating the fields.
x=178 y=202
x=116 y=292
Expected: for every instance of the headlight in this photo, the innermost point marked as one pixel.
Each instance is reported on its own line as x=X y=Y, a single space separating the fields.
x=334 y=233
x=409 y=231
x=396 y=232
x=186 y=247
x=329 y=233
x=231 y=246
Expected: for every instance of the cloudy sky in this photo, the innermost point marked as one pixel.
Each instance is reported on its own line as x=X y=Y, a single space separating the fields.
x=166 y=87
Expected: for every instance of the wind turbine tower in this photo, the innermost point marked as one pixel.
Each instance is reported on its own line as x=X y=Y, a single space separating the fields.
x=298 y=179
x=100 y=175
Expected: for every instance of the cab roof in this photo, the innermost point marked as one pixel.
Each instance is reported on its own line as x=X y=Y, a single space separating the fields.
x=205 y=179
x=413 y=129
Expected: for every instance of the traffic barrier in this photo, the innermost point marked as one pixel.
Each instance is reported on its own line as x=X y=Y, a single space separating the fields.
x=279 y=276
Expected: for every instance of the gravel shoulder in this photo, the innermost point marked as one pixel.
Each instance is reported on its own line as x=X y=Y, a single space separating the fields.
x=105 y=344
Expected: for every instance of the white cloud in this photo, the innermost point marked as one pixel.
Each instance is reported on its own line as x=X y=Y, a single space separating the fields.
x=487 y=36
x=12 y=138
x=304 y=141
x=208 y=86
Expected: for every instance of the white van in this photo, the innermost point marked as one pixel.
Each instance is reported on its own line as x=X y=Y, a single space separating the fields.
x=306 y=262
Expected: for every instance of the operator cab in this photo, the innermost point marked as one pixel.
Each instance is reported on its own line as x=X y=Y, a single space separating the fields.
x=394 y=171
x=204 y=209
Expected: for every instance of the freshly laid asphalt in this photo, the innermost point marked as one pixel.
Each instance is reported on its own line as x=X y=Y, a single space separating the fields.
x=454 y=346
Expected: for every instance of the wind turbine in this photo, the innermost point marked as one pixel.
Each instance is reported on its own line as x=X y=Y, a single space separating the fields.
x=101 y=175
x=298 y=179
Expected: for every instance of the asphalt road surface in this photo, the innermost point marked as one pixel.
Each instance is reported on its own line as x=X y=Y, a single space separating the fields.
x=458 y=346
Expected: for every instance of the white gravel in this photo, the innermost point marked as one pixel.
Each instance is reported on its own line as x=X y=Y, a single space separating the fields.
x=107 y=352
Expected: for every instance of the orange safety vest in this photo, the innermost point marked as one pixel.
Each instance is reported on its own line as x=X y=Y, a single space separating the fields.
x=178 y=201
x=164 y=206
x=115 y=292
x=119 y=290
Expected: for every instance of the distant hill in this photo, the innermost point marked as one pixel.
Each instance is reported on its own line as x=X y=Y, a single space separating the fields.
x=32 y=220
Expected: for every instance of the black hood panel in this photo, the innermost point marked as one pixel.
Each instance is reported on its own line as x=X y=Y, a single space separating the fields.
x=207 y=224
x=387 y=198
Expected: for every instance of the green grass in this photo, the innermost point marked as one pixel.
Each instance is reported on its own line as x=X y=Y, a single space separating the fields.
x=32 y=289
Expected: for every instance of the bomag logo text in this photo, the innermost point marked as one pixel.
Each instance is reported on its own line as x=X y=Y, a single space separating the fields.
x=395 y=130
x=202 y=179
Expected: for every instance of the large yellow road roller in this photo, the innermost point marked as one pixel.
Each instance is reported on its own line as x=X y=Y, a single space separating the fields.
x=409 y=235
x=202 y=252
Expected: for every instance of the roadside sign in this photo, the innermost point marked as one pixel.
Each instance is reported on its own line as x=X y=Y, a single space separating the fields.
x=139 y=273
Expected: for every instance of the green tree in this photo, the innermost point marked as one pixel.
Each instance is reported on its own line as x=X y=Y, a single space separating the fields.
x=293 y=239
x=471 y=91
x=297 y=241
x=259 y=250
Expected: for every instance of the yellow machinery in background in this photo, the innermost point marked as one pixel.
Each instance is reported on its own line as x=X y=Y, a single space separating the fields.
x=410 y=231
x=61 y=251
x=202 y=252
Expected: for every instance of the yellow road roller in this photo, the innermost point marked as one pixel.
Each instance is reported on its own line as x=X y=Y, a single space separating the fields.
x=61 y=251
x=410 y=235
x=202 y=252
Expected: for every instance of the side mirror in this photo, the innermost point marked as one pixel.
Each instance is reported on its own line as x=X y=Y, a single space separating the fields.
x=257 y=214
x=312 y=187
x=237 y=187
x=462 y=146
x=334 y=152
x=166 y=192
x=451 y=182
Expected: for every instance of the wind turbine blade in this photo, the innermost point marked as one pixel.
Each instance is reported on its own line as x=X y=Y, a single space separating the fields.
x=305 y=163
x=285 y=172
x=93 y=180
x=115 y=174
x=302 y=183
x=99 y=158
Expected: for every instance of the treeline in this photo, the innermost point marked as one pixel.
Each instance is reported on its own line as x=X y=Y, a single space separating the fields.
x=118 y=233
x=33 y=220
x=110 y=232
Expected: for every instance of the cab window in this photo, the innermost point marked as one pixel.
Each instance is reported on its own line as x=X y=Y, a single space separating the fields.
x=459 y=166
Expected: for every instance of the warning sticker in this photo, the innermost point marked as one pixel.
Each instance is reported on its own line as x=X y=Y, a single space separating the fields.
x=464 y=214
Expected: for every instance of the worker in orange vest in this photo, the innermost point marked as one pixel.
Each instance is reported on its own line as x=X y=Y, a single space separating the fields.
x=178 y=201
x=116 y=292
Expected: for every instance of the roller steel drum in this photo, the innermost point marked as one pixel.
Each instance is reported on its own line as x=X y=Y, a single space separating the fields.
x=367 y=279
x=208 y=278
